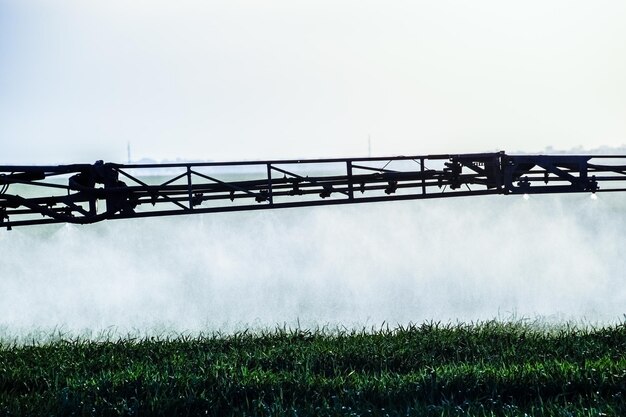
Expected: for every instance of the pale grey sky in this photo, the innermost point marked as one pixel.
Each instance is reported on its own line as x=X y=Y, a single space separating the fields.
x=284 y=78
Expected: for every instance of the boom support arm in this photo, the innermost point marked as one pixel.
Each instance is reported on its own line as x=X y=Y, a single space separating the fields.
x=89 y=193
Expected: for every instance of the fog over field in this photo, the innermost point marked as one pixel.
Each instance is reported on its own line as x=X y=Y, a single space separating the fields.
x=548 y=257
x=231 y=80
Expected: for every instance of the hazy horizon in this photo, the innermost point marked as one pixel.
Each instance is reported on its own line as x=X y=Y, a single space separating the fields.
x=230 y=80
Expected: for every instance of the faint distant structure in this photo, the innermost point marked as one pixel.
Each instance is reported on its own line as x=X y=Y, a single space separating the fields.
x=369 y=146
x=128 y=150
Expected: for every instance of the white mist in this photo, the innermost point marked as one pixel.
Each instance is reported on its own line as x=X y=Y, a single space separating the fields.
x=455 y=259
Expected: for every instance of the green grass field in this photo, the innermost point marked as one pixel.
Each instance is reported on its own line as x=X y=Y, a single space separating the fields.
x=510 y=369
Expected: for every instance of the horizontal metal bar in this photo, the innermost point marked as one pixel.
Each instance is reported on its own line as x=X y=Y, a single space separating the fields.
x=208 y=192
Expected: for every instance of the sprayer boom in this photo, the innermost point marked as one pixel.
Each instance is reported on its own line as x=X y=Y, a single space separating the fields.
x=89 y=193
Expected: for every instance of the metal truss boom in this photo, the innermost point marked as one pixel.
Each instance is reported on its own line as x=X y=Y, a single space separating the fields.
x=89 y=193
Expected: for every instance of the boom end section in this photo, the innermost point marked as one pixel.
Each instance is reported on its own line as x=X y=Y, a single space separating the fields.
x=541 y=174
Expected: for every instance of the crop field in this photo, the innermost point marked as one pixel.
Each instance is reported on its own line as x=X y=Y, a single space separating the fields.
x=485 y=369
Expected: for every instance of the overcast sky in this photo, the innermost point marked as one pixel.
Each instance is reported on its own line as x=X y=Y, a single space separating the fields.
x=229 y=80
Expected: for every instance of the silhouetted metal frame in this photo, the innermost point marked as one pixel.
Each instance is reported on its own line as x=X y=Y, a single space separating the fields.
x=124 y=192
